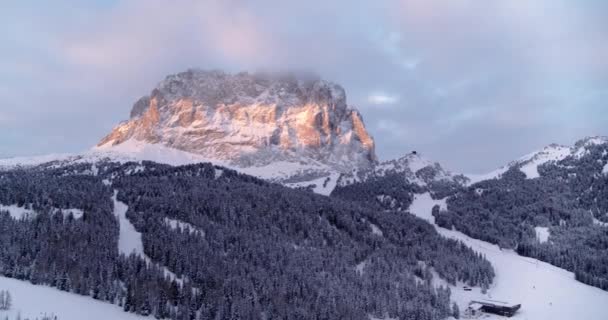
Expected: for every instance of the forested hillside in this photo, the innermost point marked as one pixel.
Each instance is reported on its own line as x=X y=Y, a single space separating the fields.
x=242 y=248
x=570 y=198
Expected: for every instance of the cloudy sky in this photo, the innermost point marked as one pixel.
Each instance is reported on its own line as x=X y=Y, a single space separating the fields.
x=472 y=84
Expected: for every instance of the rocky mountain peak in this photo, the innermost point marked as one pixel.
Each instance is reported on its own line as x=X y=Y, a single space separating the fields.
x=250 y=119
x=413 y=167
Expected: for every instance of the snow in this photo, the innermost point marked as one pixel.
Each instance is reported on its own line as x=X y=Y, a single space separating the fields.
x=376 y=230
x=529 y=163
x=542 y=234
x=137 y=151
x=18 y=212
x=129 y=240
x=417 y=162
x=34 y=160
x=599 y=222
x=550 y=153
x=420 y=206
x=320 y=187
x=94 y=170
x=330 y=186
x=174 y=224
x=387 y=200
x=583 y=145
x=34 y=301
x=544 y=291
x=409 y=164
x=496 y=174
x=605 y=170
x=76 y=213
x=360 y=268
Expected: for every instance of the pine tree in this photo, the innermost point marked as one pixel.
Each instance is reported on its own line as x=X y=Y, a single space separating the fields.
x=8 y=301
x=455 y=311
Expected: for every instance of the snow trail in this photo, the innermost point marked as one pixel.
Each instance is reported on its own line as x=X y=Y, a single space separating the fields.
x=545 y=292
x=129 y=240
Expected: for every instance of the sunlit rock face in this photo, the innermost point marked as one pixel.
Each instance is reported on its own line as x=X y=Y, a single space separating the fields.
x=251 y=119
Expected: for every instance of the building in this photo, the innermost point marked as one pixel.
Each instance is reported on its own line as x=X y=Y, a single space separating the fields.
x=496 y=307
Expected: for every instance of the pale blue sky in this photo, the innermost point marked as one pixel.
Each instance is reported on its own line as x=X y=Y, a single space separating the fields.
x=472 y=84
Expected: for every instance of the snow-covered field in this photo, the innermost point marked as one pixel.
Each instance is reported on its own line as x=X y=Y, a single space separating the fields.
x=34 y=301
x=544 y=291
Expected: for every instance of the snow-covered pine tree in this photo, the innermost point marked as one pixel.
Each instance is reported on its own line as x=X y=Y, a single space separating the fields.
x=5 y=300
x=455 y=311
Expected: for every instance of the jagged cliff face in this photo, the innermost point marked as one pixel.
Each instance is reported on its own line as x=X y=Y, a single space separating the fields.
x=250 y=120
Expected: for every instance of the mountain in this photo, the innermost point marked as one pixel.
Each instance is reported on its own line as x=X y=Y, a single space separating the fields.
x=530 y=163
x=413 y=167
x=392 y=184
x=250 y=120
x=293 y=129
x=206 y=242
x=551 y=205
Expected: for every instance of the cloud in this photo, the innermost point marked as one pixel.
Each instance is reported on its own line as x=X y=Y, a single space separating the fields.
x=380 y=98
x=505 y=77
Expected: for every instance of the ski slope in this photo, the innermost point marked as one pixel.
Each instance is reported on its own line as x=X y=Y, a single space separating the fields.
x=34 y=301
x=129 y=239
x=544 y=291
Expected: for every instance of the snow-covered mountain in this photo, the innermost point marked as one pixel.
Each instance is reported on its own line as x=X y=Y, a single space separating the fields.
x=294 y=129
x=250 y=120
x=413 y=167
x=393 y=184
x=553 y=153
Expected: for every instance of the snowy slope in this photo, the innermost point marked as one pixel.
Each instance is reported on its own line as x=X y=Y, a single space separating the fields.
x=129 y=239
x=474 y=178
x=413 y=167
x=545 y=291
x=292 y=174
x=529 y=163
x=33 y=301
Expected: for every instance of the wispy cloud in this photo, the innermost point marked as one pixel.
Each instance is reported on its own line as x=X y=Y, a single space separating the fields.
x=380 y=98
